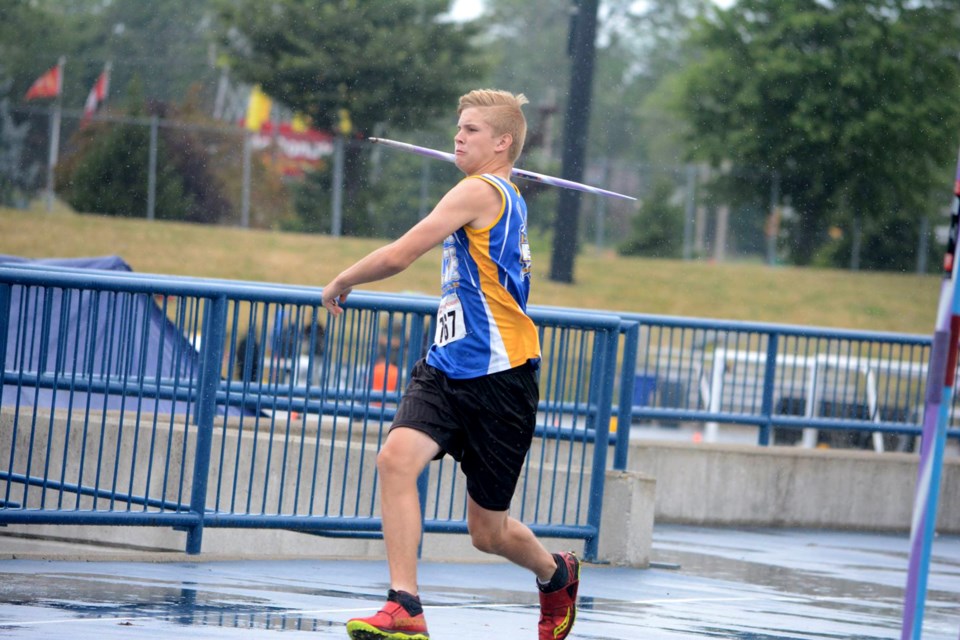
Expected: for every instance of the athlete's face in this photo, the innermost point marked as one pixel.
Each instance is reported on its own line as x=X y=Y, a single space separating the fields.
x=476 y=144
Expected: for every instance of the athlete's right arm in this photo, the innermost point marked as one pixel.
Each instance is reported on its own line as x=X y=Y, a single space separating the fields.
x=470 y=202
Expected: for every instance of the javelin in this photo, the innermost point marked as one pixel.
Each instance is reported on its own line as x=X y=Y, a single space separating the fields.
x=520 y=173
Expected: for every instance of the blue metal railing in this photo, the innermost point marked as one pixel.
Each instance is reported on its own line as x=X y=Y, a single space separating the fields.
x=142 y=399
x=788 y=381
x=186 y=402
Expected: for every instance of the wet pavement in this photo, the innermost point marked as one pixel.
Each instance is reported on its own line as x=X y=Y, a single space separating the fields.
x=717 y=583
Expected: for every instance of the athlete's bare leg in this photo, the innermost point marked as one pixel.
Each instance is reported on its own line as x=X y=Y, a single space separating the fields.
x=401 y=460
x=496 y=532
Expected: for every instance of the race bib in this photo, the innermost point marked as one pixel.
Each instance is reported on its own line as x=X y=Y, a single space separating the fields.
x=450 y=322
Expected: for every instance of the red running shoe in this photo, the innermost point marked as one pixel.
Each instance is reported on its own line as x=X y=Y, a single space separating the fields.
x=558 y=609
x=392 y=622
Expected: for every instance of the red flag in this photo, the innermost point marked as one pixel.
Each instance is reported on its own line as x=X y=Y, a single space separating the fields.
x=97 y=94
x=46 y=86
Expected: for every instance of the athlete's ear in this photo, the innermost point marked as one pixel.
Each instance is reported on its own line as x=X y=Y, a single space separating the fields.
x=506 y=140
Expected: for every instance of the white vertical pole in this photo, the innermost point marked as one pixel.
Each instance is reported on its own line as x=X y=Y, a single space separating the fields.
x=690 y=212
x=54 y=151
x=152 y=170
x=245 y=194
x=55 y=135
x=424 y=189
x=712 y=429
x=223 y=85
x=336 y=203
x=810 y=435
x=600 y=209
x=723 y=226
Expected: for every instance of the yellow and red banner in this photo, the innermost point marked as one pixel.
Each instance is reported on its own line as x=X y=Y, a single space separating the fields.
x=296 y=151
x=297 y=147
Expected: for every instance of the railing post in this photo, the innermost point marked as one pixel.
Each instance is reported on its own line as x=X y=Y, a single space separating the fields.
x=769 y=375
x=5 y=292
x=602 y=398
x=210 y=358
x=715 y=402
x=631 y=339
x=205 y=330
x=415 y=345
x=423 y=483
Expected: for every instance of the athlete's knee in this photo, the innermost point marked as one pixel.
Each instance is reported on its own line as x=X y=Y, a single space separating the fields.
x=483 y=541
x=487 y=539
x=388 y=461
x=393 y=462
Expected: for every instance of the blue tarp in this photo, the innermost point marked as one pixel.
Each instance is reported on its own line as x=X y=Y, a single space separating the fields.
x=92 y=339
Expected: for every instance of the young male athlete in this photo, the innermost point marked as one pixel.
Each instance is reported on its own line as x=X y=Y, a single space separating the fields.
x=475 y=394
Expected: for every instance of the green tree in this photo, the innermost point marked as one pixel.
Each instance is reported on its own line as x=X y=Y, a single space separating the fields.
x=657 y=229
x=636 y=45
x=107 y=170
x=108 y=175
x=848 y=100
x=164 y=45
x=16 y=176
x=529 y=55
x=376 y=63
x=641 y=43
x=31 y=40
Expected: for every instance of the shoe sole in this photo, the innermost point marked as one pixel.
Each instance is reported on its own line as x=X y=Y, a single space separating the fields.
x=364 y=631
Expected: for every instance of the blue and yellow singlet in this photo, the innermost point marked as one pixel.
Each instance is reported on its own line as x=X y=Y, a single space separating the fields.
x=482 y=324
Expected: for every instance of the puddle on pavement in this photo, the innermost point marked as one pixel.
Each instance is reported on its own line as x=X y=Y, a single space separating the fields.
x=92 y=596
x=739 y=585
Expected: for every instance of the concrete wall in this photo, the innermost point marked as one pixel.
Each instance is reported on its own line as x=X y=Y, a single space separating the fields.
x=730 y=485
x=703 y=484
x=150 y=460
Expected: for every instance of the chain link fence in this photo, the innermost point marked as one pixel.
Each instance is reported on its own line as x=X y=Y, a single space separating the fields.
x=320 y=183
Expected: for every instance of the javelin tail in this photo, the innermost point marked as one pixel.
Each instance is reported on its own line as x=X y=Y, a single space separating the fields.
x=520 y=173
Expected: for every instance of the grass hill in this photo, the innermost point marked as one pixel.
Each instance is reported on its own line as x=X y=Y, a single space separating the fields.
x=856 y=300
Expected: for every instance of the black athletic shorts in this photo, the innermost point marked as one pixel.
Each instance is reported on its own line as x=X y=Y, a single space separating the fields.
x=484 y=423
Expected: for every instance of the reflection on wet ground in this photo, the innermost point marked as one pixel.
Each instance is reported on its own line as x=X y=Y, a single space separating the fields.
x=715 y=583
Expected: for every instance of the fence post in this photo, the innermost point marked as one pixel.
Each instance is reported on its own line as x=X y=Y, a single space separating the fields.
x=415 y=345
x=423 y=484
x=631 y=339
x=211 y=355
x=5 y=290
x=769 y=374
x=601 y=397
x=245 y=187
x=336 y=197
x=689 y=211
x=54 y=155
x=152 y=170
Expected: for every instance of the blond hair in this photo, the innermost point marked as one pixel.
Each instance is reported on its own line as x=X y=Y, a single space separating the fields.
x=502 y=111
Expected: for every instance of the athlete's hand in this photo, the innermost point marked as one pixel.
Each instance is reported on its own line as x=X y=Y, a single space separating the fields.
x=333 y=297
